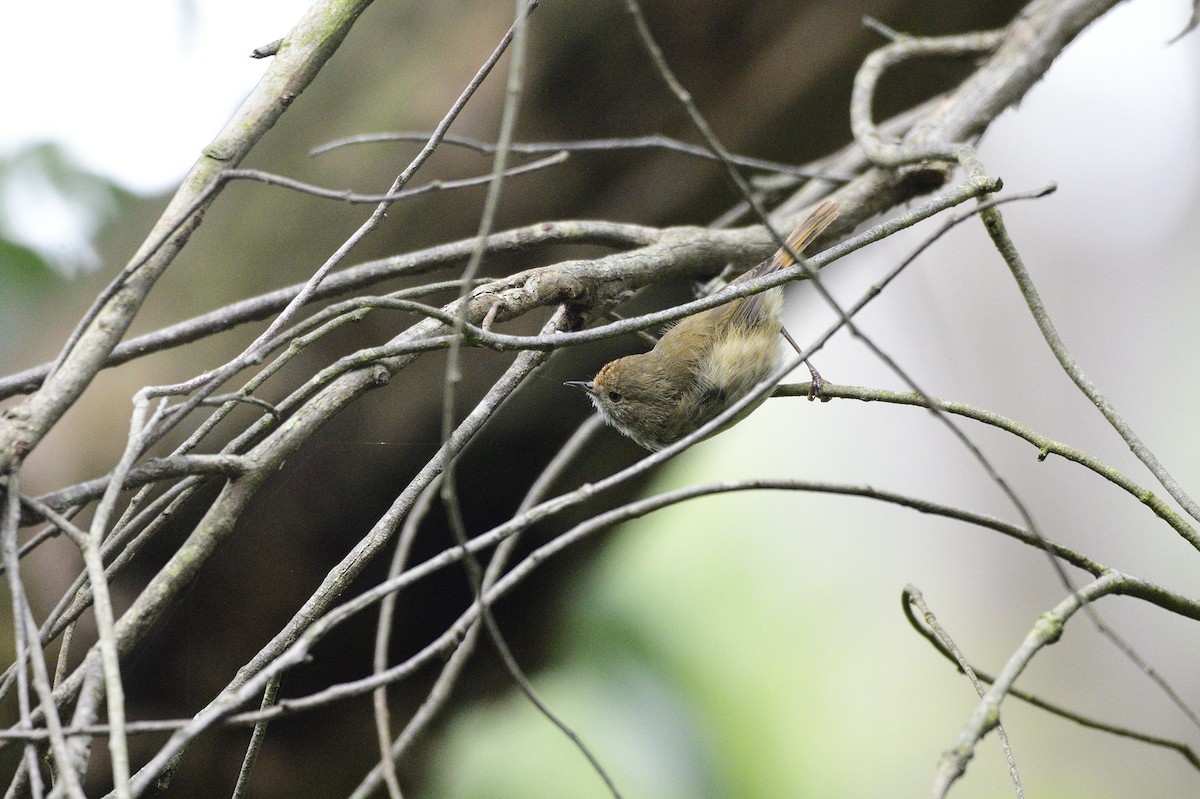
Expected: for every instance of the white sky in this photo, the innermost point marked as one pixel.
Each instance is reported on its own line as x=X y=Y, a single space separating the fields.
x=130 y=89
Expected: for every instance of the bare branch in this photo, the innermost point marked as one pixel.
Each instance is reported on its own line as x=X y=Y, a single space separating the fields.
x=654 y=141
x=987 y=713
x=1045 y=445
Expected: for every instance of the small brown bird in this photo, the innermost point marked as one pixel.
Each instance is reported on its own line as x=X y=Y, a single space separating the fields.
x=705 y=362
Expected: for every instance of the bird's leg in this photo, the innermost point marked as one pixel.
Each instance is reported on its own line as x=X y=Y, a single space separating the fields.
x=815 y=383
x=814 y=386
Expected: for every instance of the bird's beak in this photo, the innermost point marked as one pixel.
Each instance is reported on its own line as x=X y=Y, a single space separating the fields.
x=582 y=385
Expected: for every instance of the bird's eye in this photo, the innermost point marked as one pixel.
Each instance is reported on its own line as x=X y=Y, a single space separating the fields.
x=614 y=396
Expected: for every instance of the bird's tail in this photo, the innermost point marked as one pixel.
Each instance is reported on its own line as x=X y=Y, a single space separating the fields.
x=813 y=225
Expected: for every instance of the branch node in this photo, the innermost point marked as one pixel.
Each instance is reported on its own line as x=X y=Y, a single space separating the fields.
x=267 y=50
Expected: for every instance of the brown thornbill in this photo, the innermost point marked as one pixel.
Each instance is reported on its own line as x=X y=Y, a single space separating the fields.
x=705 y=362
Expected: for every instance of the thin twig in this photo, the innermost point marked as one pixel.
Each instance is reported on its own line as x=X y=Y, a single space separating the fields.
x=1046 y=446
x=256 y=740
x=1191 y=25
x=102 y=607
x=357 y=198
x=911 y=596
x=64 y=769
x=383 y=637
x=653 y=141
x=21 y=645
